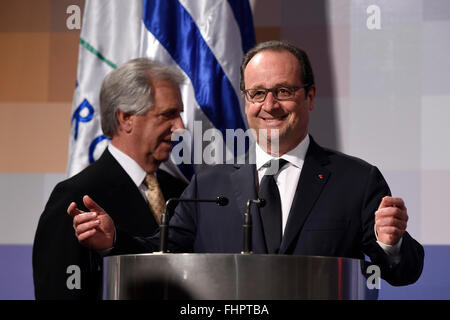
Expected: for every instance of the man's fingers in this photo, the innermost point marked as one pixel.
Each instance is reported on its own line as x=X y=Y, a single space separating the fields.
x=83 y=218
x=391 y=222
x=91 y=204
x=391 y=212
x=391 y=202
x=84 y=227
x=72 y=210
x=86 y=235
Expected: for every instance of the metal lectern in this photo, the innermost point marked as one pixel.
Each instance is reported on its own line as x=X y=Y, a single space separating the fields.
x=234 y=277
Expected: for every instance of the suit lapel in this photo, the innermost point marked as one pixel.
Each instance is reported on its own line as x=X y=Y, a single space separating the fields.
x=121 y=185
x=243 y=184
x=313 y=178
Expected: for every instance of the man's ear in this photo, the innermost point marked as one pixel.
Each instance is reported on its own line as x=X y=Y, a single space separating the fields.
x=311 y=96
x=125 y=121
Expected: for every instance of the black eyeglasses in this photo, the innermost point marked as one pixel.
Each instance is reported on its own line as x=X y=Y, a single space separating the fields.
x=280 y=93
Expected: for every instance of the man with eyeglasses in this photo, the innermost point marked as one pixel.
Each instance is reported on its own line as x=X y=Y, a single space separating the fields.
x=317 y=201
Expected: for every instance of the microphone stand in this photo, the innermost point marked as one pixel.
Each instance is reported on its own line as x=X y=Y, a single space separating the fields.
x=164 y=229
x=247 y=246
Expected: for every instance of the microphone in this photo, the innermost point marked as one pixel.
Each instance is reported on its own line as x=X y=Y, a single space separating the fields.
x=222 y=201
x=260 y=202
x=170 y=207
x=248 y=225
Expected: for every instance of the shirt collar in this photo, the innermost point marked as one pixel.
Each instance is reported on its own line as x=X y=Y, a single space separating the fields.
x=135 y=171
x=295 y=156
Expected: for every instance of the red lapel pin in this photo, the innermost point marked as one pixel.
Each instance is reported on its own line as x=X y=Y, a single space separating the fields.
x=320 y=176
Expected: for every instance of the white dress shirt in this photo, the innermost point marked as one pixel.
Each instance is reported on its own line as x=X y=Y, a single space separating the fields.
x=287 y=177
x=132 y=168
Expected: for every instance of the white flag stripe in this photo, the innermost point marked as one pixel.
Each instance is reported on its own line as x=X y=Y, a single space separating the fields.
x=215 y=17
x=113 y=28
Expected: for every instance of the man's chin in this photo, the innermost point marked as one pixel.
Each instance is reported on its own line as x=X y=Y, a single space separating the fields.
x=269 y=141
x=270 y=135
x=163 y=155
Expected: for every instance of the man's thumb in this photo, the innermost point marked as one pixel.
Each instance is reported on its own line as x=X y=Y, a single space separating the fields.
x=92 y=205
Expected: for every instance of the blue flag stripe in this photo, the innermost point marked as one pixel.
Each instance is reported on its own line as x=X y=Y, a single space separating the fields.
x=244 y=18
x=175 y=29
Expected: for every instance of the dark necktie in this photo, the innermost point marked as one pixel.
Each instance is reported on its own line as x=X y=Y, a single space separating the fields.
x=271 y=213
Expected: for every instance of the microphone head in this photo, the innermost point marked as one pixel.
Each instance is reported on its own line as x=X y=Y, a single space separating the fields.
x=171 y=204
x=262 y=202
x=222 y=201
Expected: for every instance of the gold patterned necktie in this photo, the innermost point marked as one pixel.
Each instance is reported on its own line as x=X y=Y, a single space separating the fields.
x=155 y=197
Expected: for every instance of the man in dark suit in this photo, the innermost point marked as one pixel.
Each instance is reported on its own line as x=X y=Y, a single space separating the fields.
x=318 y=201
x=140 y=105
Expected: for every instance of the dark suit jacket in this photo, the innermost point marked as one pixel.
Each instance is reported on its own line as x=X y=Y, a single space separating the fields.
x=56 y=246
x=332 y=214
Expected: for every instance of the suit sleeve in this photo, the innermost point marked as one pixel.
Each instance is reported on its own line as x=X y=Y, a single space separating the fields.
x=62 y=268
x=409 y=269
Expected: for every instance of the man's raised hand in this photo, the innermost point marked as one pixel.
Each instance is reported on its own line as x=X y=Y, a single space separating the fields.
x=95 y=228
x=390 y=220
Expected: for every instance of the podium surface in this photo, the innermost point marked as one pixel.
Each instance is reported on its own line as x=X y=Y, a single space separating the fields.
x=234 y=277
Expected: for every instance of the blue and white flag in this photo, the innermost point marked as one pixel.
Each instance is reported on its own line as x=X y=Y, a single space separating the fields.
x=206 y=39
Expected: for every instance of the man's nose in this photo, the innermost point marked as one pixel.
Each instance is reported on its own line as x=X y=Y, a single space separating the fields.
x=177 y=124
x=270 y=102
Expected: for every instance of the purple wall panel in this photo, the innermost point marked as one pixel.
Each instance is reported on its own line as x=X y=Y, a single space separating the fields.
x=16 y=273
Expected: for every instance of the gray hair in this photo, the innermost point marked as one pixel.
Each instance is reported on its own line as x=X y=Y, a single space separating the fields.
x=274 y=45
x=129 y=89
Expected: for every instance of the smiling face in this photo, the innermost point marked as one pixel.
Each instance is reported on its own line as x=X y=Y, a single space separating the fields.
x=289 y=118
x=149 y=135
